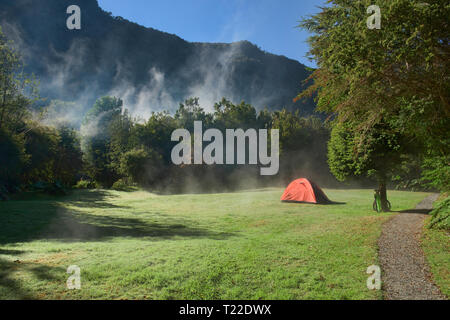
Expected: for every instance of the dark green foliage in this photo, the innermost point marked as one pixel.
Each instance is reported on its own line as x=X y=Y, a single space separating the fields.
x=113 y=146
x=41 y=144
x=436 y=172
x=303 y=144
x=54 y=156
x=372 y=135
x=155 y=134
x=102 y=114
x=409 y=175
x=68 y=160
x=441 y=215
x=31 y=152
x=119 y=150
x=387 y=90
x=85 y=184
x=341 y=156
x=148 y=162
x=121 y=185
x=143 y=167
x=54 y=188
x=17 y=90
x=190 y=111
x=14 y=112
x=229 y=115
x=100 y=125
x=12 y=159
x=379 y=153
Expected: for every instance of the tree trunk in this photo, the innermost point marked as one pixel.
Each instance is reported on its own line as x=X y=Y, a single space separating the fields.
x=383 y=195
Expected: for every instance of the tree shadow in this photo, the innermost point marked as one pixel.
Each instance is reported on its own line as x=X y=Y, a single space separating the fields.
x=415 y=211
x=328 y=203
x=24 y=221
x=11 y=288
x=336 y=203
x=73 y=227
x=94 y=198
x=91 y=199
x=12 y=252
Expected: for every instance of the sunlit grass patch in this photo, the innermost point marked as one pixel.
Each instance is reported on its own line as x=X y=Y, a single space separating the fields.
x=241 y=245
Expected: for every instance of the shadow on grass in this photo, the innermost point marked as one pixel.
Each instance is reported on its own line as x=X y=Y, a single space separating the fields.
x=80 y=198
x=24 y=221
x=96 y=199
x=11 y=252
x=416 y=211
x=330 y=203
x=11 y=288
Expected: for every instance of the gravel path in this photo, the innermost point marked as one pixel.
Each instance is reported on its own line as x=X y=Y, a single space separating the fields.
x=405 y=272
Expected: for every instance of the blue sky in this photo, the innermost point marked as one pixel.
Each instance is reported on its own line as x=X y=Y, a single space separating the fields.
x=270 y=24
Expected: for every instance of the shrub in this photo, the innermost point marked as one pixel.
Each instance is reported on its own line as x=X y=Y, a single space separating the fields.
x=121 y=185
x=436 y=172
x=52 y=188
x=85 y=184
x=441 y=215
x=12 y=159
x=141 y=166
x=3 y=193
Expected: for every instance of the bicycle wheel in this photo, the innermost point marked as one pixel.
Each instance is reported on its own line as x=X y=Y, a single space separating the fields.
x=375 y=206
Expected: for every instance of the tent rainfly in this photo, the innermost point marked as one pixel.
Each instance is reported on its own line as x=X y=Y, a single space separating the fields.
x=304 y=191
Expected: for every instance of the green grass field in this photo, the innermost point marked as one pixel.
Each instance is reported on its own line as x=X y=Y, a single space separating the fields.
x=243 y=245
x=436 y=245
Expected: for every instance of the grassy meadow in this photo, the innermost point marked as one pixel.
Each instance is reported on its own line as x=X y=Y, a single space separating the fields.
x=436 y=246
x=243 y=245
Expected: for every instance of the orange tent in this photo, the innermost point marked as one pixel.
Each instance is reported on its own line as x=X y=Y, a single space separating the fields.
x=304 y=191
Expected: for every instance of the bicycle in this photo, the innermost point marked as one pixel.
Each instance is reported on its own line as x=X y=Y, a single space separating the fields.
x=377 y=202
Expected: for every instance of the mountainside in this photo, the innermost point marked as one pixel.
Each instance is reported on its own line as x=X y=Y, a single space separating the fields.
x=149 y=69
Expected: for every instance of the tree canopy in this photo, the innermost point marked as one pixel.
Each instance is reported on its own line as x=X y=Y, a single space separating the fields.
x=386 y=90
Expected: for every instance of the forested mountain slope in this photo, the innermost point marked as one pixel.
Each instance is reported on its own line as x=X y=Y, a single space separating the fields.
x=149 y=69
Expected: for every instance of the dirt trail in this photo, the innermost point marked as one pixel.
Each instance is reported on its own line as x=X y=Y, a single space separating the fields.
x=405 y=272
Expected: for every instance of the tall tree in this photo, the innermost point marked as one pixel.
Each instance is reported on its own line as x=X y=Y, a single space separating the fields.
x=395 y=78
x=17 y=90
x=97 y=138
